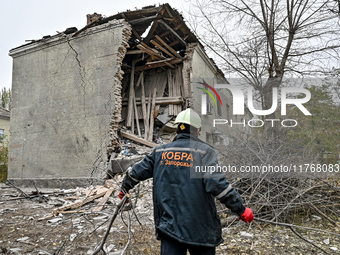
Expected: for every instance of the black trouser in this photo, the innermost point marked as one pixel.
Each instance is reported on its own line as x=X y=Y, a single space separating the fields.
x=170 y=246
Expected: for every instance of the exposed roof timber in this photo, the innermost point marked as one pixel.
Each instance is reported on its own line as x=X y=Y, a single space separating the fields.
x=133 y=30
x=149 y=51
x=131 y=52
x=159 y=61
x=166 y=7
x=141 y=13
x=172 y=31
x=173 y=43
x=169 y=19
x=146 y=67
x=151 y=32
x=141 y=20
x=167 y=46
x=162 y=49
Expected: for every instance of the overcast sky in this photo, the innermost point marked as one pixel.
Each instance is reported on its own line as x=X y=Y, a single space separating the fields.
x=32 y=19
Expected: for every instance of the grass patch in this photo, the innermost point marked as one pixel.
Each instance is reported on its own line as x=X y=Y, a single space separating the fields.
x=3 y=161
x=3 y=173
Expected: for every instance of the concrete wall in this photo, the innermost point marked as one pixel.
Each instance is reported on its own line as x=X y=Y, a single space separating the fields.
x=64 y=95
x=202 y=69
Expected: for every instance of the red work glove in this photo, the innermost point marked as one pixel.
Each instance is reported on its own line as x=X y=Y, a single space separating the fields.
x=247 y=216
x=121 y=195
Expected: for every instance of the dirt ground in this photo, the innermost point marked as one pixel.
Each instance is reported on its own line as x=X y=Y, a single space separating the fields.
x=22 y=231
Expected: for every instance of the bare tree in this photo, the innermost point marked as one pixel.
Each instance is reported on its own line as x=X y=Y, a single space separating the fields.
x=263 y=41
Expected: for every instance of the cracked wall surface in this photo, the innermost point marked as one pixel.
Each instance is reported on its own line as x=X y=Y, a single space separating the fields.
x=66 y=93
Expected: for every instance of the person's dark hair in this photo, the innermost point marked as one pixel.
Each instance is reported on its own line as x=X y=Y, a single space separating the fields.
x=185 y=128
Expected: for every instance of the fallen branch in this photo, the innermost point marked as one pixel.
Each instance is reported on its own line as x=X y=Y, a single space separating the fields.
x=129 y=238
x=296 y=233
x=324 y=215
x=295 y=226
x=78 y=204
x=103 y=201
x=114 y=216
x=25 y=195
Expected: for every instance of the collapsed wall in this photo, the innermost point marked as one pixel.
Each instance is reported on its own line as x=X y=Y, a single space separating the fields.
x=64 y=91
x=80 y=97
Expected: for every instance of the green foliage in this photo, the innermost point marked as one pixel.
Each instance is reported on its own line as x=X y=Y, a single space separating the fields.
x=320 y=132
x=5 y=97
x=3 y=160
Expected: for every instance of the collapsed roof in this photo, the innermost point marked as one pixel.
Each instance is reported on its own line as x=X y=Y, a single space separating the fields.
x=159 y=32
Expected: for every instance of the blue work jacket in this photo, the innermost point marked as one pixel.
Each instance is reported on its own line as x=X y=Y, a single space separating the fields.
x=184 y=200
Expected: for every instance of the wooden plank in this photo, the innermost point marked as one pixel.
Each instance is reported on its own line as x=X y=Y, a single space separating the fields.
x=159 y=101
x=139 y=80
x=157 y=55
x=46 y=217
x=151 y=52
x=146 y=67
x=170 y=89
x=103 y=201
x=174 y=43
x=164 y=33
x=68 y=212
x=77 y=204
x=165 y=61
x=162 y=49
x=146 y=121
x=136 y=116
x=179 y=85
x=136 y=21
x=131 y=96
x=152 y=117
x=131 y=52
x=133 y=121
x=159 y=61
x=168 y=11
x=152 y=30
x=139 y=140
x=172 y=31
x=148 y=115
x=133 y=30
x=168 y=47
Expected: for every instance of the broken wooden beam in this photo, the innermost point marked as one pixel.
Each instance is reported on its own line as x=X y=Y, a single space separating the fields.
x=152 y=116
x=152 y=30
x=131 y=52
x=151 y=52
x=150 y=66
x=136 y=21
x=168 y=47
x=159 y=61
x=172 y=31
x=159 y=100
x=146 y=121
x=139 y=140
x=136 y=116
x=103 y=200
x=132 y=29
x=129 y=119
x=148 y=115
x=162 y=49
x=77 y=204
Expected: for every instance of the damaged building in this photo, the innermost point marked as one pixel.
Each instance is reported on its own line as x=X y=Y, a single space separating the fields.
x=78 y=94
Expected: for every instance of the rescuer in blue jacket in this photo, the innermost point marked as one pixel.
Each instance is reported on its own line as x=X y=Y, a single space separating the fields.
x=184 y=208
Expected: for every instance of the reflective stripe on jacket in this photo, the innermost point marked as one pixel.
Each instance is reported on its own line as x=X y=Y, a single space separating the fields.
x=184 y=207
